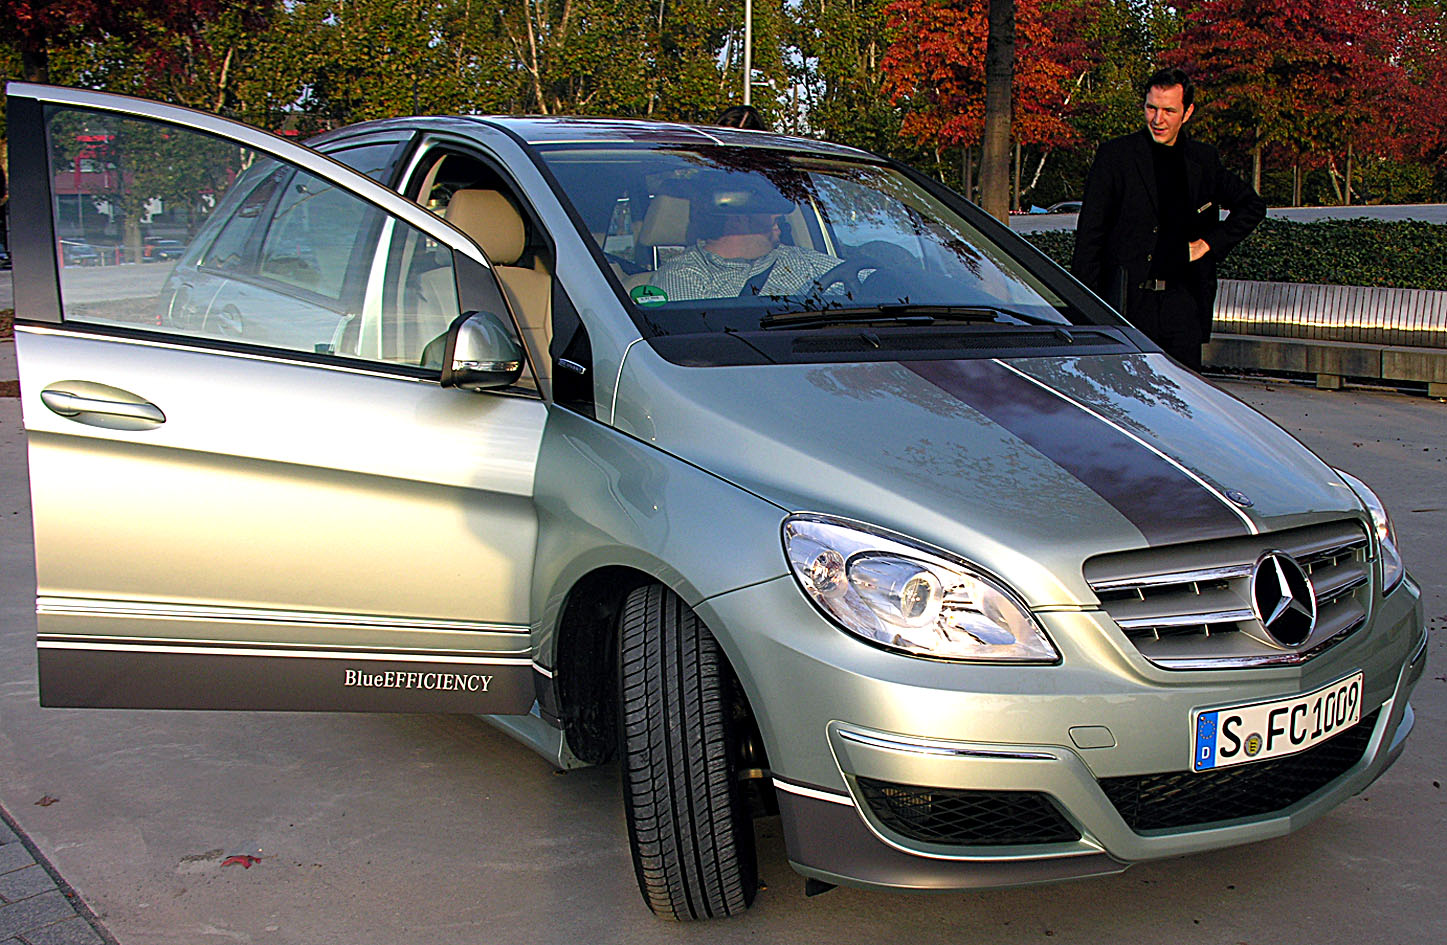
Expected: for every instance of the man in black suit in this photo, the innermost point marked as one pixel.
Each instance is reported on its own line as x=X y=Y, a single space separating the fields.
x=1150 y=231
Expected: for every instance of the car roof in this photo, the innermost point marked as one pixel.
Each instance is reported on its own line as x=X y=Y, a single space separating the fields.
x=551 y=131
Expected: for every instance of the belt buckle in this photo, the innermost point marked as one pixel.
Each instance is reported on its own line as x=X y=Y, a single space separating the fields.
x=1154 y=285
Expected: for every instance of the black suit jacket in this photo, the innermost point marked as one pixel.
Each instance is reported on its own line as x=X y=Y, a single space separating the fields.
x=1116 y=232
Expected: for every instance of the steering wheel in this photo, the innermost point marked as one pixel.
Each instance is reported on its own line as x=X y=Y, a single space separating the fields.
x=847 y=272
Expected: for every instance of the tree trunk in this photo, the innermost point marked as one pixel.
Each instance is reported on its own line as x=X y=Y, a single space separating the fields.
x=999 y=80
x=35 y=64
x=1015 y=196
x=1296 y=182
x=1256 y=167
x=967 y=178
x=1347 y=188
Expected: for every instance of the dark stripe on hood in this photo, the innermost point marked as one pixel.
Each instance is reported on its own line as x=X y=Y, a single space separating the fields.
x=1158 y=498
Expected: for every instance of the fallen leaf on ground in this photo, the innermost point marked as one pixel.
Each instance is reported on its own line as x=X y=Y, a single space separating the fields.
x=244 y=860
x=46 y=801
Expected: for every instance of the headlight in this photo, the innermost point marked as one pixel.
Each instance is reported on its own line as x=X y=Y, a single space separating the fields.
x=1392 y=568
x=892 y=591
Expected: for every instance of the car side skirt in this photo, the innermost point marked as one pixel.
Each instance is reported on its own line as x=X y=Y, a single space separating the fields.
x=131 y=673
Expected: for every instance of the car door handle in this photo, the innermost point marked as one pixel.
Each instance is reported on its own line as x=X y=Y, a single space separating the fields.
x=70 y=404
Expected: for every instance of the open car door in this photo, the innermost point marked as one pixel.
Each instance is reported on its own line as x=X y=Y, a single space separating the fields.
x=250 y=489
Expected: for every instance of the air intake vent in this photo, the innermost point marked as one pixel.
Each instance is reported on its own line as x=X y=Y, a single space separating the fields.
x=967 y=818
x=1187 y=799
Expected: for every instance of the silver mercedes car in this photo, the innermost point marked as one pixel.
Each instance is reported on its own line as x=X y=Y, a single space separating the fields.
x=767 y=469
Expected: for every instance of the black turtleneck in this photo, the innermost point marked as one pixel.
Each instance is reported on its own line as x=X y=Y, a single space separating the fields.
x=1172 y=253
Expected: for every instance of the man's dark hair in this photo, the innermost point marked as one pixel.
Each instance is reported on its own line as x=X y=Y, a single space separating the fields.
x=1165 y=78
x=741 y=116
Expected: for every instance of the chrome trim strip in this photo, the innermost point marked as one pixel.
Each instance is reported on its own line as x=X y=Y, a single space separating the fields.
x=1349 y=581
x=181 y=345
x=872 y=740
x=414 y=656
x=98 y=640
x=618 y=382
x=1255 y=662
x=88 y=607
x=1232 y=662
x=1185 y=620
x=1310 y=556
x=843 y=800
x=1421 y=649
x=1224 y=573
x=1220 y=496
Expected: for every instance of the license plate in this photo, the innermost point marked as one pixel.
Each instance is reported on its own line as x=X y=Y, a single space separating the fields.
x=1234 y=736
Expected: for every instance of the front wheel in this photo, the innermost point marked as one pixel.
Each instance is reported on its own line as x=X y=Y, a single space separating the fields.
x=692 y=837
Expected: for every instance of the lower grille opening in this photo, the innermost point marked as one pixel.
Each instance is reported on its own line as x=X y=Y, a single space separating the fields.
x=955 y=817
x=1190 y=799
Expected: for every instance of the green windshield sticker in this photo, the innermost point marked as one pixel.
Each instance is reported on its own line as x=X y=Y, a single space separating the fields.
x=648 y=295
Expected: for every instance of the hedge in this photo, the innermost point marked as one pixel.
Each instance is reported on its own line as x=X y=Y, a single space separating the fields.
x=1407 y=254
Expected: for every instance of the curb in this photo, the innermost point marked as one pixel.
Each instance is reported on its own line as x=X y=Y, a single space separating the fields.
x=36 y=905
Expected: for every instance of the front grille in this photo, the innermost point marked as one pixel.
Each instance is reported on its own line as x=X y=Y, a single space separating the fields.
x=967 y=818
x=1189 y=799
x=1189 y=606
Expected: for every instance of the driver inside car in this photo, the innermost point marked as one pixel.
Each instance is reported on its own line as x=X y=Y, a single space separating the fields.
x=738 y=252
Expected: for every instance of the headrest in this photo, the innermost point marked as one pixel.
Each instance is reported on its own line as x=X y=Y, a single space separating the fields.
x=666 y=222
x=492 y=221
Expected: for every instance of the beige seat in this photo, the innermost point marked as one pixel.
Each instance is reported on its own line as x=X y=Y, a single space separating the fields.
x=665 y=224
x=495 y=224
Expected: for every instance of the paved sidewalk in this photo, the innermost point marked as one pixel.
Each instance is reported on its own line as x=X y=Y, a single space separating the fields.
x=36 y=906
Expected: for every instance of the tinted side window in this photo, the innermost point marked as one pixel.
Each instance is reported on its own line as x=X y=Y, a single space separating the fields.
x=374 y=160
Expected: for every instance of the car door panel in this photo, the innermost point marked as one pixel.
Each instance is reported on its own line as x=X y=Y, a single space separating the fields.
x=290 y=533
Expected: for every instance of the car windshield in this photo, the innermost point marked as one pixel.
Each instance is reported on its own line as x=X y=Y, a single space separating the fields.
x=713 y=239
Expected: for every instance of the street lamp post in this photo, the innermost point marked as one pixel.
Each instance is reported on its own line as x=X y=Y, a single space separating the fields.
x=748 y=50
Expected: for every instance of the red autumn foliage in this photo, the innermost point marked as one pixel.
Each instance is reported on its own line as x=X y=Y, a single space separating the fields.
x=935 y=69
x=39 y=25
x=1305 y=75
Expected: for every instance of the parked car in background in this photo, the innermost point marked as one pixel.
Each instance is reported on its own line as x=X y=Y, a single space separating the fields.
x=157 y=250
x=77 y=253
x=766 y=467
x=1064 y=206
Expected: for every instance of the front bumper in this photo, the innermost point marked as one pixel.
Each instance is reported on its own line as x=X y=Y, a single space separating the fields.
x=840 y=718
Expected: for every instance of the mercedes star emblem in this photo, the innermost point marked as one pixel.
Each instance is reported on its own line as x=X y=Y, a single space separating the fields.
x=1283 y=599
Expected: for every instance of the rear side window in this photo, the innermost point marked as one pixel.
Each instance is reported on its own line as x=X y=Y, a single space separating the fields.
x=311 y=237
x=228 y=252
x=377 y=161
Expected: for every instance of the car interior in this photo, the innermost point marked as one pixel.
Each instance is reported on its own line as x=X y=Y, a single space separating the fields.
x=474 y=198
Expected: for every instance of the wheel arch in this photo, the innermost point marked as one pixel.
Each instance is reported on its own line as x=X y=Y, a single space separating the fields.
x=584 y=659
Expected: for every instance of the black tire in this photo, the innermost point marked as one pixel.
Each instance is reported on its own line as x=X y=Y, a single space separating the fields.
x=691 y=833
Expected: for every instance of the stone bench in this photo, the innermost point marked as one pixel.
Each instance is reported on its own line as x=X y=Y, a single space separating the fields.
x=1331 y=331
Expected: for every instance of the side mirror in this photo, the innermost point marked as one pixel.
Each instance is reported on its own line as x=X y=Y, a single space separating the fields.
x=480 y=353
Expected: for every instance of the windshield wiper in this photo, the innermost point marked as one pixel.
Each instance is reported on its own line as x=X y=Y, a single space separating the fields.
x=902 y=313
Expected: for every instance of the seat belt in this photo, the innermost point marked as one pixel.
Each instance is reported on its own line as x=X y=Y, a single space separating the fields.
x=755 y=283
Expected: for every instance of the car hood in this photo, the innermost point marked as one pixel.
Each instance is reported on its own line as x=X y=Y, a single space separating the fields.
x=1026 y=467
